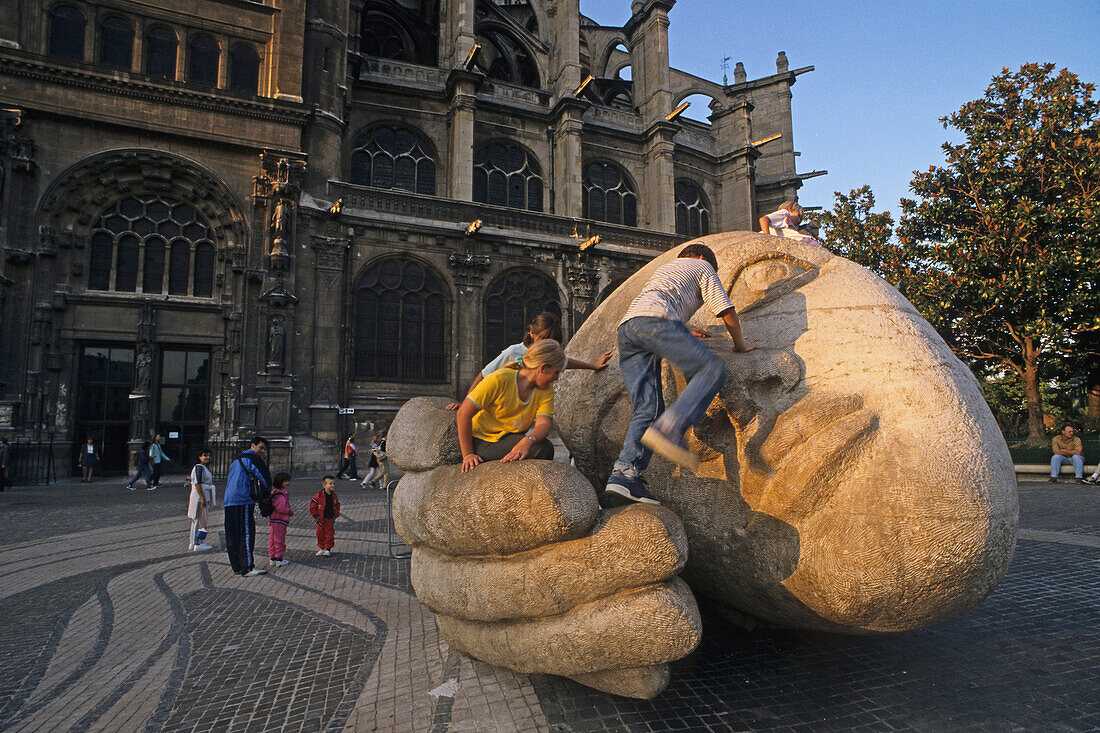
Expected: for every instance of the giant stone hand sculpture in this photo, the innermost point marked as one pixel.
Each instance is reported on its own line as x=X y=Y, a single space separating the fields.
x=523 y=569
x=853 y=480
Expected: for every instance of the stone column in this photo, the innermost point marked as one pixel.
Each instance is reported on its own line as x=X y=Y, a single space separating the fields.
x=735 y=207
x=658 y=199
x=469 y=272
x=457 y=38
x=647 y=33
x=568 y=160
x=461 y=86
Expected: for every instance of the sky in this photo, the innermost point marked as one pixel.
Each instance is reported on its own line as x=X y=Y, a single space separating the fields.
x=885 y=72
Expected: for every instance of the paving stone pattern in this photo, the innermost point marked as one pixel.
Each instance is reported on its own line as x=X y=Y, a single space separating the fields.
x=107 y=623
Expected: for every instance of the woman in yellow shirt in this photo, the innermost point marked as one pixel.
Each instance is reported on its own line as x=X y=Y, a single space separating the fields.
x=508 y=415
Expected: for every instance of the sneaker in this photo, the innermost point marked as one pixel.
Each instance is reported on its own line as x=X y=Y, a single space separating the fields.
x=320 y=553
x=1091 y=480
x=1052 y=480
x=151 y=488
x=131 y=487
x=202 y=547
x=255 y=571
x=671 y=448
x=280 y=563
x=630 y=488
x=326 y=553
x=1080 y=480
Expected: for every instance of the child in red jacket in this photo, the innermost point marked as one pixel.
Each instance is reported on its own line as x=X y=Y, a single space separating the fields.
x=324 y=507
x=279 y=519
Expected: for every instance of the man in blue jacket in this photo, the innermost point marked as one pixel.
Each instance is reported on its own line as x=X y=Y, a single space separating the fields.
x=240 y=522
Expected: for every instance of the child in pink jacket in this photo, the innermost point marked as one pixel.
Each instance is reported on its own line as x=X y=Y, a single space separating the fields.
x=279 y=519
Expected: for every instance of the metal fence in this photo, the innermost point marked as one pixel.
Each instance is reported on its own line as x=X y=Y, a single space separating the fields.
x=280 y=456
x=32 y=463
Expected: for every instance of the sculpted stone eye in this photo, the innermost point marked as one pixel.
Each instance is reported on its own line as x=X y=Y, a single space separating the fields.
x=767 y=279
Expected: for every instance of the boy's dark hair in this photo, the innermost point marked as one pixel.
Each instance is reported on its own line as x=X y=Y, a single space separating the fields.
x=700 y=251
x=203 y=452
x=258 y=440
x=280 y=479
x=326 y=478
x=545 y=326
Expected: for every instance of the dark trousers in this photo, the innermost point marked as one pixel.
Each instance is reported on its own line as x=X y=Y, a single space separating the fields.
x=240 y=536
x=348 y=467
x=495 y=451
x=156 y=474
x=3 y=478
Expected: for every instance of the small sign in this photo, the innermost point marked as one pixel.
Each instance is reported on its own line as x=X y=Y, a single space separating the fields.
x=346 y=410
x=173 y=435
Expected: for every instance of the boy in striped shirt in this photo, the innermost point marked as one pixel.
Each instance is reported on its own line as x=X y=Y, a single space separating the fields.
x=654 y=329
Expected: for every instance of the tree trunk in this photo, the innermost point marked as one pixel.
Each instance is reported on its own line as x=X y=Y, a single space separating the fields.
x=1036 y=430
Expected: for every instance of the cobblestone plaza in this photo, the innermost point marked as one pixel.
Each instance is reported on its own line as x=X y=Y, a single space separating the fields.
x=109 y=624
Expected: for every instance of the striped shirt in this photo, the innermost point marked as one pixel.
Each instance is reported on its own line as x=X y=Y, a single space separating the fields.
x=677 y=289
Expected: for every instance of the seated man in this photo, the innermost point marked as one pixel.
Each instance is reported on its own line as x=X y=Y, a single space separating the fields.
x=1067 y=447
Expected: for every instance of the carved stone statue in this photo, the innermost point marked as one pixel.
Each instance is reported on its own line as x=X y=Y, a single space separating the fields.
x=853 y=478
x=525 y=571
x=276 y=344
x=144 y=368
x=280 y=223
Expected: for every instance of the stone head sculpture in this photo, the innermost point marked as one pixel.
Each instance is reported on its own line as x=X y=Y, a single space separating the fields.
x=853 y=478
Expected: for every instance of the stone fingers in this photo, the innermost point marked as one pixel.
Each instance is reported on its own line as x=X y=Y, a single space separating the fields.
x=633 y=628
x=495 y=509
x=631 y=547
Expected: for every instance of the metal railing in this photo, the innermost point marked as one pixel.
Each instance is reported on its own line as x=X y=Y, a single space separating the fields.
x=32 y=463
x=280 y=456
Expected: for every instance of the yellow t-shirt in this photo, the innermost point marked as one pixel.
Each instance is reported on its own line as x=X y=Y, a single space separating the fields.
x=1060 y=443
x=502 y=411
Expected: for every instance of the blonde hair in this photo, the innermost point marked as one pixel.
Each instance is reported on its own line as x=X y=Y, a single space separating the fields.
x=792 y=207
x=546 y=352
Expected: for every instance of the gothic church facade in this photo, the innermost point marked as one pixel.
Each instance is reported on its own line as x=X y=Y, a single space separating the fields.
x=222 y=217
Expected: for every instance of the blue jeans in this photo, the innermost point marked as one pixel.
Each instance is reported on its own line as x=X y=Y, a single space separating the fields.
x=1056 y=462
x=141 y=473
x=643 y=342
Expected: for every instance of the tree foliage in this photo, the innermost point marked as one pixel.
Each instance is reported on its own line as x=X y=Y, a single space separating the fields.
x=1000 y=250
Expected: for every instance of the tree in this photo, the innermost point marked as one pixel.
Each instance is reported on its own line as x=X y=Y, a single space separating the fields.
x=1007 y=231
x=851 y=229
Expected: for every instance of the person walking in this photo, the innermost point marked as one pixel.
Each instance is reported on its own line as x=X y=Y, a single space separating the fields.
x=87 y=460
x=238 y=503
x=347 y=468
x=5 y=459
x=142 y=468
x=156 y=455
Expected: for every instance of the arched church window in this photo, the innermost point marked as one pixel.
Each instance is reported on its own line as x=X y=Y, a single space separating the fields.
x=393 y=157
x=202 y=61
x=179 y=267
x=139 y=235
x=160 y=53
x=126 y=263
x=380 y=37
x=99 y=269
x=153 y=269
x=67 y=33
x=504 y=58
x=512 y=300
x=608 y=195
x=400 y=323
x=116 y=43
x=692 y=212
x=244 y=69
x=204 y=270
x=507 y=175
